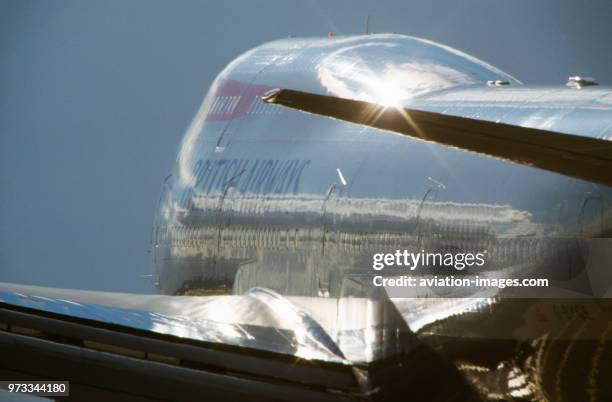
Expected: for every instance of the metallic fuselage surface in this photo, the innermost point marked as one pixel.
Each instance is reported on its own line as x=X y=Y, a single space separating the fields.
x=263 y=196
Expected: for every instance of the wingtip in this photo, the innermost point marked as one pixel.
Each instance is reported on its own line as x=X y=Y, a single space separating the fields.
x=271 y=95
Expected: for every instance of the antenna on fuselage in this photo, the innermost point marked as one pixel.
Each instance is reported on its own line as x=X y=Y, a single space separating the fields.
x=367 y=24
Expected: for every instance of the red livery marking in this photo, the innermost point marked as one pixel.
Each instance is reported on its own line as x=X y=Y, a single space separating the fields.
x=234 y=99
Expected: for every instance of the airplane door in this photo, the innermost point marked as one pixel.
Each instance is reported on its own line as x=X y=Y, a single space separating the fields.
x=235 y=99
x=590 y=220
x=328 y=232
x=224 y=211
x=423 y=228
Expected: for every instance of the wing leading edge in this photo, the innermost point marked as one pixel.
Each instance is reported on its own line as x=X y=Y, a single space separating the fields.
x=572 y=155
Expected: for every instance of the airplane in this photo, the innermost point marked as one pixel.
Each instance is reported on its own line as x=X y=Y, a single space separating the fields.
x=306 y=158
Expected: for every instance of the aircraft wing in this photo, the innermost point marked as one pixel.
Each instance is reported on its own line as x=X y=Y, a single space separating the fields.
x=579 y=156
x=258 y=346
x=148 y=347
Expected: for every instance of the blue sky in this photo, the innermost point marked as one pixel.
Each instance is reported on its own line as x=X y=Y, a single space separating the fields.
x=95 y=96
